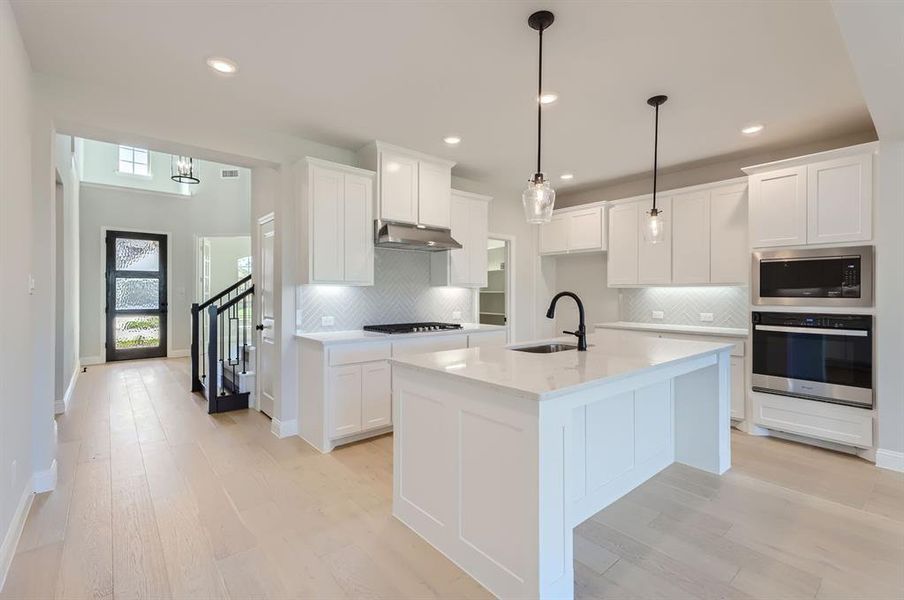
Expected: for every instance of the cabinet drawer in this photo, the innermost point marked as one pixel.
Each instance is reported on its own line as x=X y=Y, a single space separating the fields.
x=430 y=344
x=358 y=353
x=820 y=420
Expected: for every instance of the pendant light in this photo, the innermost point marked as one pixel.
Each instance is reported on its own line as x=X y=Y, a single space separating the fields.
x=655 y=229
x=183 y=170
x=538 y=199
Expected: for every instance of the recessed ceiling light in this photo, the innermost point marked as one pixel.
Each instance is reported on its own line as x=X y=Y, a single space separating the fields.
x=753 y=129
x=452 y=140
x=548 y=97
x=222 y=65
x=566 y=176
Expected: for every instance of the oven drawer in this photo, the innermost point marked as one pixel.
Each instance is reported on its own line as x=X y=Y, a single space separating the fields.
x=830 y=422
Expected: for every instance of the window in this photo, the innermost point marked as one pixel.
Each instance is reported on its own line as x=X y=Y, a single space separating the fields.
x=134 y=161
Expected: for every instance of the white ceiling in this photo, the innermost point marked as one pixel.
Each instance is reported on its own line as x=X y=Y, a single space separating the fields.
x=410 y=73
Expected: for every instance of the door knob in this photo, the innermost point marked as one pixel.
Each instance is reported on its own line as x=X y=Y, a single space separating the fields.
x=259 y=327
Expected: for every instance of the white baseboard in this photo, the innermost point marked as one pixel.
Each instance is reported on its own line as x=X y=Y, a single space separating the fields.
x=46 y=480
x=91 y=360
x=62 y=405
x=890 y=459
x=178 y=353
x=16 y=525
x=283 y=429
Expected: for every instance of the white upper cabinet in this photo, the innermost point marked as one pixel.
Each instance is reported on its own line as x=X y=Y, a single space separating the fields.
x=411 y=187
x=554 y=235
x=398 y=187
x=778 y=208
x=335 y=223
x=467 y=266
x=691 y=238
x=573 y=230
x=706 y=244
x=825 y=198
x=729 y=253
x=839 y=200
x=654 y=261
x=434 y=194
x=623 y=242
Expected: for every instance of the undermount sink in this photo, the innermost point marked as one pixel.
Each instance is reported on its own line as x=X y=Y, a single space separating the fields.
x=546 y=348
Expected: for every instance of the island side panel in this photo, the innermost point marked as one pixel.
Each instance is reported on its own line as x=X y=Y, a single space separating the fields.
x=703 y=417
x=465 y=476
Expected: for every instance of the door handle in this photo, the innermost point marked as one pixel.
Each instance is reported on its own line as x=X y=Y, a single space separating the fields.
x=259 y=327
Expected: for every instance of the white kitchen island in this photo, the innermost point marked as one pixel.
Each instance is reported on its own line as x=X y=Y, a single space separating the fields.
x=499 y=454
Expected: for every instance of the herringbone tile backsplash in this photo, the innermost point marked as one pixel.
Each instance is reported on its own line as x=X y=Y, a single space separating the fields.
x=401 y=293
x=682 y=305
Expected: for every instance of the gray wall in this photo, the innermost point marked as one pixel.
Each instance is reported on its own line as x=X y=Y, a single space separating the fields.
x=219 y=207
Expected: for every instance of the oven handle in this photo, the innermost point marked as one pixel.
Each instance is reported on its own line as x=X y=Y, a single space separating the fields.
x=813 y=330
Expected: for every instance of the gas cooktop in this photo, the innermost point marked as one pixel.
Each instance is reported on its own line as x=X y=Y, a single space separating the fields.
x=411 y=327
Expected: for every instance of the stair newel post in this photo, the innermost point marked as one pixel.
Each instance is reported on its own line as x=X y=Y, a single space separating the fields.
x=213 y=371
x=195 y=350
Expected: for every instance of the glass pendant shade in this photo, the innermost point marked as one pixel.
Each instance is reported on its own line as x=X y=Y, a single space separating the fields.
x=655 y=229
x=538 y=200
x=183 y=170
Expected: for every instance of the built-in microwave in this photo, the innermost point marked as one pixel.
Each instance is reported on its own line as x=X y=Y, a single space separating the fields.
x=813 y=277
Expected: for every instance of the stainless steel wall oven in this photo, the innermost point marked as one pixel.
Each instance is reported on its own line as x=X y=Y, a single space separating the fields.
x=825 y=357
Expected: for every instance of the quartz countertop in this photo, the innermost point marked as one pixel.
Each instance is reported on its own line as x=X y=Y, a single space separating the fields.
x=544 y=376
x=359 y=335
x=666 y=328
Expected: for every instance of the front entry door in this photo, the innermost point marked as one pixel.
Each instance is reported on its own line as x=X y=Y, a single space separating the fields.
x=267 y=347
x=136 y=295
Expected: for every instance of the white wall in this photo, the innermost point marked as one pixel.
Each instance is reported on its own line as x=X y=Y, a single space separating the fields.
x=585 y=275
x=16 y=306
x=220 y=207
x=224 y=253
x=66 y=264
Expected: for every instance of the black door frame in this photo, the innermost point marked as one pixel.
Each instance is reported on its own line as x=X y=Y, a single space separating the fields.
x=110 y=312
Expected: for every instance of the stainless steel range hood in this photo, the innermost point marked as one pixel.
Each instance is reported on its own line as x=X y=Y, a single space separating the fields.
x=404 y=236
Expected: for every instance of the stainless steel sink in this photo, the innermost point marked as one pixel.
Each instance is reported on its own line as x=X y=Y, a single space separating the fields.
x=546 y=348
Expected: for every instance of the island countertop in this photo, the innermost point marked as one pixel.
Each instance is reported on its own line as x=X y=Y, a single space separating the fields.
x=544 y=376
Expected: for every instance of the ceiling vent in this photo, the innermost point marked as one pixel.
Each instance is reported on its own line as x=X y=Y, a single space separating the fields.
x=229 y=174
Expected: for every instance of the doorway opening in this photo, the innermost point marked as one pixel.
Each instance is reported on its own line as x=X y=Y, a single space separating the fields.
x=222 y=260
x=136 y=306
x=495 y=302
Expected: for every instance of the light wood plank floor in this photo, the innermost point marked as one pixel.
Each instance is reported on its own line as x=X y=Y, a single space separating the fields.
x=156 y=499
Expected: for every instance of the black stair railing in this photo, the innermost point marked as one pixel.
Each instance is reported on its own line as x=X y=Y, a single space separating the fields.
x=221 y=327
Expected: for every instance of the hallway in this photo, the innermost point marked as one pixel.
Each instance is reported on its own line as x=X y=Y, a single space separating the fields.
x=156 y=499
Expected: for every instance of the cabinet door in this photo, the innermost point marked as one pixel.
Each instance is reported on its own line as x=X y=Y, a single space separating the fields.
x=327 y=230
x=778 y=208
x=376 y=395
x=690 y=238
x=621 y=268
x=554 y=235
x=839 y=200
x=479 y=220
x=654 y=261
x=434 y=194
x=738 y=388
x=459 y=259
x=358 y=230
x=729 y=254
x=585 y=229
x=398 y=187
x=345 y=400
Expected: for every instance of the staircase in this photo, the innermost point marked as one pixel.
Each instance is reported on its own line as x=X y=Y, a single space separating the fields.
x=222 y=348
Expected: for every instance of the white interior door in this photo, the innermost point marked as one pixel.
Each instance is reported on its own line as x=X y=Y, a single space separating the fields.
x=204 y=269
x=266 y=355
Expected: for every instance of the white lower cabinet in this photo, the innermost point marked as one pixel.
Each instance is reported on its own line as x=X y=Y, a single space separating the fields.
x=376 y=395
x=345 y=400
x=360 y=398
x=487 y=339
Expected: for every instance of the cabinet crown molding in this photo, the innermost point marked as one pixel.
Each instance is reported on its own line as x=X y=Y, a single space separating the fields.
x=319 y=162
x=700 y=187
x=379 y=146
x=869 y=147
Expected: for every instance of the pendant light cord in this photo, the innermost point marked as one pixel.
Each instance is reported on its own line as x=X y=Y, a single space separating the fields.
x=539 y=103
x=655 y=155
